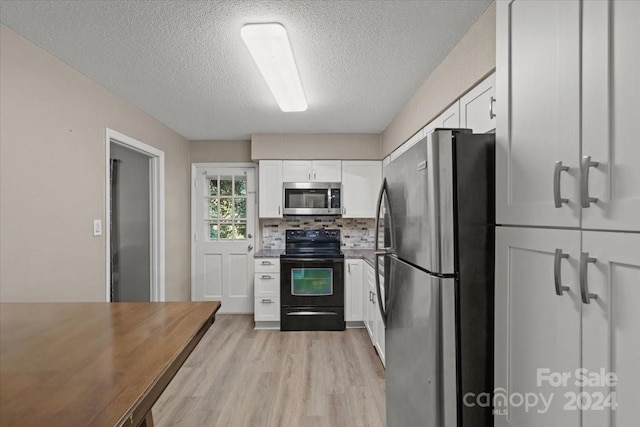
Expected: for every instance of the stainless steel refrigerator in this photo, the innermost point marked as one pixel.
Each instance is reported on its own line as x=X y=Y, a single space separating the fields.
x=435 y=244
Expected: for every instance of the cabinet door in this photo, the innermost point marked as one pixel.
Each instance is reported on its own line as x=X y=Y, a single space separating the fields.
x=537 y=331
x=360 y=185
x=449 y=118
x=297 y=171
x=368 y=288
x=611 y=108
x=326 y=171
x=270 y=193
x=477 y=107
x=538 y=88
x=611 y=326
x=353 y=291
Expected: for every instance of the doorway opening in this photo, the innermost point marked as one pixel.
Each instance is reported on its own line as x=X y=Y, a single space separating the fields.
x=134 y=226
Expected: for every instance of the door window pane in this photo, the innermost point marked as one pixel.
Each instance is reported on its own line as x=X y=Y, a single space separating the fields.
x=226 y=208
x=241 y=230
x=240 y=208
x=226 y=231
x=213 y=231
x=213 y=209
x=226 y=185
x=240 y=186
x=213 y=187
x=312 y=281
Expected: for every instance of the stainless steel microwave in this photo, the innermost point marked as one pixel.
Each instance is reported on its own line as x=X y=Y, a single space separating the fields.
x=312 y=198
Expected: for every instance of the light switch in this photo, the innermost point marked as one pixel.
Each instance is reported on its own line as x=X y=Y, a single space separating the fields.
x=97 y=227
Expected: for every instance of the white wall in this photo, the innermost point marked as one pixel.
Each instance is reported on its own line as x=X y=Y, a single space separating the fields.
x=52 y=178
x=473 y=58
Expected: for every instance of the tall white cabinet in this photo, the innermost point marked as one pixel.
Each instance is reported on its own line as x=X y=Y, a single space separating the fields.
x=568 y=96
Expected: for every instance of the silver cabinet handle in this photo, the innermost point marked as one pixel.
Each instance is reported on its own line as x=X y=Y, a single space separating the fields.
x=266 y=263
x=557 y=199
x=309 y=174
x=278 y=210
x=266 y=301
x=265 y=277
x=349 y=268
x=491 y=113
x=557 y=272
x=584 y=181
x=584 y=284
x=314 y=175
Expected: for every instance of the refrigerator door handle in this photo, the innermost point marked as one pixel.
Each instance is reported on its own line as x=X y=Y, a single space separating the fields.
x=382 y=195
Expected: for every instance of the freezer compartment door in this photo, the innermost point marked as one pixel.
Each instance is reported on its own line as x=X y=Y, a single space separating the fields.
x=420 y=349
x=421 y=199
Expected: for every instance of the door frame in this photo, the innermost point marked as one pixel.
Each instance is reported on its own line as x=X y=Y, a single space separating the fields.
x=156 y=210
x=194 y=195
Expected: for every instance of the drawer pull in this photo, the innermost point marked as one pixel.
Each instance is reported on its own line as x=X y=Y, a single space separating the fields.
x=266 y=263
x=266 y=301
x=266 y=277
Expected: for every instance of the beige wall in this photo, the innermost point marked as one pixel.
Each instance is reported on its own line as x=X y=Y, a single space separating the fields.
x=52 y=179
x=345 y=146
x=235 y=151
x=473 y=58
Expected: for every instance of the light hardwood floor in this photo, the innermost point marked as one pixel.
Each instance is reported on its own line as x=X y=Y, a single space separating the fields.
x=237 y=376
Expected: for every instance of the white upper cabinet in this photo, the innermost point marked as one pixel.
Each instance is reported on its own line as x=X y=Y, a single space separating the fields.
x=538 y=112
x=361 y=182
x=270 y=189
x=311 y=171
x=610 y=113
x=449 y=118
x=477 y=107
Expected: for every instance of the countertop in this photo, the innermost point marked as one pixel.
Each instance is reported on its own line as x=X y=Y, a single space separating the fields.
x=365 y=254
x=268 y=253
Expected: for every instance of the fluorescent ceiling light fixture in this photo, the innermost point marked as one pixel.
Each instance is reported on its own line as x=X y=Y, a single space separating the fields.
x=270 y=48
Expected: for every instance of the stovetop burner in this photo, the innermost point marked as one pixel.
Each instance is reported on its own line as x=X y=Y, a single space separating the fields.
x=314 y=243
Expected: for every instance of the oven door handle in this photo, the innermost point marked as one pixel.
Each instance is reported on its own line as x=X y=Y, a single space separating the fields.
x=296 y=260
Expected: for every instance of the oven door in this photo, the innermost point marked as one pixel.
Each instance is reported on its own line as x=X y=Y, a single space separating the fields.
x=312 y=282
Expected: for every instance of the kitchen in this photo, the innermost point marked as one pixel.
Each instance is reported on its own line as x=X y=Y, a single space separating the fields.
x=550 y=223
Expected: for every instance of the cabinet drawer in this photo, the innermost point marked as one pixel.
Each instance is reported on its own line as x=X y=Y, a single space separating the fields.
x=267 y=265
x=267 y=285
x=267 y=310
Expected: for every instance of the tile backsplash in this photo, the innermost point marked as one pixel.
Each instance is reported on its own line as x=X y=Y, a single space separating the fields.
x=354 y=233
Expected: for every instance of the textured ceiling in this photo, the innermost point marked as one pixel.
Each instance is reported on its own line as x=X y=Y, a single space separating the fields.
x=184 y=63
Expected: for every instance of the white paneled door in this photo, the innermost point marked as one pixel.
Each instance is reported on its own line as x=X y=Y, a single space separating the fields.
x=223 y=224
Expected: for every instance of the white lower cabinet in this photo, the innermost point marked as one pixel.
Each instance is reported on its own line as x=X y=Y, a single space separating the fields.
x=566 y=300
x=353 y=303
x=267 y=293
x=372 y=317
